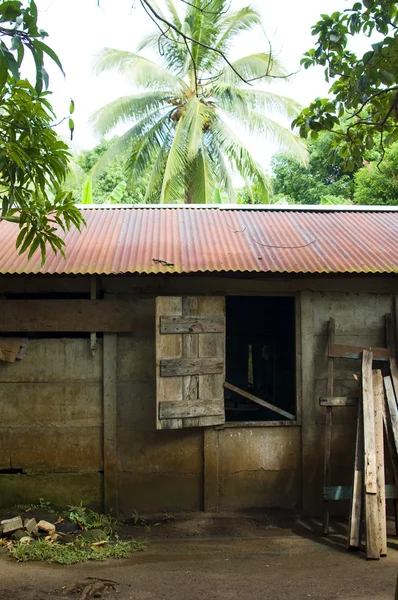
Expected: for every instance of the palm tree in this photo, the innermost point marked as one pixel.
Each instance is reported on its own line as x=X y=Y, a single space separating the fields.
x=184 y=112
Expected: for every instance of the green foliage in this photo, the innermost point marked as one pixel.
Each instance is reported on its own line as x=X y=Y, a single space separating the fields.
x=85 y=518
x=108 y=184
x=378 y=184
x=69 y=554
x=364 y=87
x=324 y=176
x=33 y=161
x=179 y=140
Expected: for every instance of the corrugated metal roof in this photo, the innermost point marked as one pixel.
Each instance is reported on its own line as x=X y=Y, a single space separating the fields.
x=188 y=240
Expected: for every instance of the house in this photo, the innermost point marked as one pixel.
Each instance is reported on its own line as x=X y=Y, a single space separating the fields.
x=138 y=346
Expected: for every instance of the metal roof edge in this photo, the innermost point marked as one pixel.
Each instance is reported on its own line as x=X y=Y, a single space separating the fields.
x=260 y=207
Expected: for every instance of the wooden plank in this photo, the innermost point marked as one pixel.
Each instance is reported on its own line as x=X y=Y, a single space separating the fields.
x=345 y=492
x=378 y=396
x=190 y=366
x=110 y=423
x=344 y=351
x=328 y=426
x=181 y=410
x=354 y=527
x=192 y=324
x=392 y=410
x=190 y=349
x=169 y=346
x=110 y=316
x=370 y=473
x=212 y=344
x=249 y=396
x=93 y=296
x=390 y=334
x=337 y=401
x=186 y=365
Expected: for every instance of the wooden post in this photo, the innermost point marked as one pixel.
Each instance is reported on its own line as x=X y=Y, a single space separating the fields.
x=308 y=429
x=370 y=472
x=210 y=480
x=328 y=427
x=354 y=529
x=378 y=395
x=110 y=423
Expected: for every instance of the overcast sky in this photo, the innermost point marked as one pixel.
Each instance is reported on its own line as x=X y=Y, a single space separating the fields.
x=79 y=28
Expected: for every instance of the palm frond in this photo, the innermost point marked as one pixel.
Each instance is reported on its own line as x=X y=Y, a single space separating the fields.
x=237 y=153
x=230 y=26
x=252 y=67
x=176 y=165
x=127 y=109
x=282 y=136
x=201 y=183
x=221 y=167
x=195 y=117
x=237 y=101
x=141 y=71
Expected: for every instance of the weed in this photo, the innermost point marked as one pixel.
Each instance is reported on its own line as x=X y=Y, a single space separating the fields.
x=137 y=518
x=42 y=504
x=86 y=518
x=68 y=554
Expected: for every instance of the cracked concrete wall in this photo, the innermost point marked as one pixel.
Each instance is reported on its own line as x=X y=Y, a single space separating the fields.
x=51 y=424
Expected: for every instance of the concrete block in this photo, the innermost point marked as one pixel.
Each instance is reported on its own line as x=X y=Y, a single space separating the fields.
x=10 y=525
x=46 y=526
x=30 y=525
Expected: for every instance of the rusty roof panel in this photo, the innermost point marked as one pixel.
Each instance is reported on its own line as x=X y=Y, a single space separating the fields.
x=188 y=240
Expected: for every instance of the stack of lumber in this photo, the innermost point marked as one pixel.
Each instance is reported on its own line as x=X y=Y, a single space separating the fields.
x=377 y=428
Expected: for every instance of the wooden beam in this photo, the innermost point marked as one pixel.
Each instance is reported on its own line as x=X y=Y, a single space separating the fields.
x=192 y=324
x=354 y=527
x=110 y=423
x=259 y=401
x=336 y=401
x=378 y=395
x=328 y=427
x=110 y=316
x=370 y=472
x=176 y=367
x=344 y=351
x=181 y=410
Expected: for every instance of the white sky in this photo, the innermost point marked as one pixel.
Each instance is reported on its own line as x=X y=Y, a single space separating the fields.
x=79 y=28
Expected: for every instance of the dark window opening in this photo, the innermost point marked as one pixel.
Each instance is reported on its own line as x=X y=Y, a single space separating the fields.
x=260 y=356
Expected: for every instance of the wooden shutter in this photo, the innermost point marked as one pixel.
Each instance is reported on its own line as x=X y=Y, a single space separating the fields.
x=190 y=361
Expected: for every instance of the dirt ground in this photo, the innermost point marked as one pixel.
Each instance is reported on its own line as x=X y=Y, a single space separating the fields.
x=280 y=563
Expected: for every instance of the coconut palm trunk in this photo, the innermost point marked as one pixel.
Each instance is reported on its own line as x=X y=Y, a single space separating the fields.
x=183 y=113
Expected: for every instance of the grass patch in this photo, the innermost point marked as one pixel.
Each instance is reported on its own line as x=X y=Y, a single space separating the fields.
x=69 y=554
x=85 y=518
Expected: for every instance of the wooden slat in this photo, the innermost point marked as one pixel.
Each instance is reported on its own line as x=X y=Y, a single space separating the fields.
x=354 y=527
x=370 y=473
x=336 y=401
x=345 y=492
x=259 y=401
x=343 y=351
x=181 y=367
x=328 y=427
x=391 y=344
x=182 y=410
x=192 y=324
x=187 y=367
x=392 y=410
x=110 y=316
x=378 y=396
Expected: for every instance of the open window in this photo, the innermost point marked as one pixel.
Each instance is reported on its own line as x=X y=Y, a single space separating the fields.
x=260 y=359
x=223 y=360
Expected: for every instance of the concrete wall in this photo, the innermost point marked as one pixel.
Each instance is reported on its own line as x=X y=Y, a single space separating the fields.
x=51 y=423
x=51 y=407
